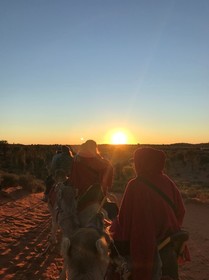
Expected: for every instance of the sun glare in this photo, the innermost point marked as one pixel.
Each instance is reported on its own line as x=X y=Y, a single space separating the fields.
x=119 y=137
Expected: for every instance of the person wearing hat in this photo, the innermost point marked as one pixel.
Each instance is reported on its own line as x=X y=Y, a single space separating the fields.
x=92 y=177
x=61 y=165
x=62 y=161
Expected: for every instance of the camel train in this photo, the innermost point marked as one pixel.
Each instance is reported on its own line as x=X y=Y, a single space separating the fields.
x=85 y=248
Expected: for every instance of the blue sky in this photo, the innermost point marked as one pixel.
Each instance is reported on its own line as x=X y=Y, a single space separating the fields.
x=74 y=70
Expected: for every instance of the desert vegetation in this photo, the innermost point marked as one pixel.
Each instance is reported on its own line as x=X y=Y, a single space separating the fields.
x=25 y=218
x=27 y=166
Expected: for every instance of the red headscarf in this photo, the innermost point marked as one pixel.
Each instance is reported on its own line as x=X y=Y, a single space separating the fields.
x=149 y=161
x=145 y=217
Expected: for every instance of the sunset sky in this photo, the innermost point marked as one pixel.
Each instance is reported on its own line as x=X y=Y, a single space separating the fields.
x=88 y=69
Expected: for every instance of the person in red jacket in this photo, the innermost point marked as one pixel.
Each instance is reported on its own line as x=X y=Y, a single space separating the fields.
x=92 y=176
x=145 y=218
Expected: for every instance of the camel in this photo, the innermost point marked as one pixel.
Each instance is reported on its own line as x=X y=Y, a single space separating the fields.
x=86 y=252
x=85 y=243
x=62 y=206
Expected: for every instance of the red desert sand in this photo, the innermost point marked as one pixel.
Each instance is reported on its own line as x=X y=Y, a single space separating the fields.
x=25 y=226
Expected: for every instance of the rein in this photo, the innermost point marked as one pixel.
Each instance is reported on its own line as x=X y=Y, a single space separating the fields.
x=123 y=266
x=102 y=204
x=79 y=198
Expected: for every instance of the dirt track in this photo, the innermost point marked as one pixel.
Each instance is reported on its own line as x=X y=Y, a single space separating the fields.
x=23 y=234
x=24 y=230
x=196 y=222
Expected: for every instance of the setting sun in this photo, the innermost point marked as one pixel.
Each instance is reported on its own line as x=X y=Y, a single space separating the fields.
x=119 y=137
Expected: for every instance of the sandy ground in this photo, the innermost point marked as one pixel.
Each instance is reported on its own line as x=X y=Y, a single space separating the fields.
x=196 y=222
x=25 y=223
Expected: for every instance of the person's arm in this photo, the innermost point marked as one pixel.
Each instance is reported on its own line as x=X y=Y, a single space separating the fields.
x=180 y=209
x=177 y=199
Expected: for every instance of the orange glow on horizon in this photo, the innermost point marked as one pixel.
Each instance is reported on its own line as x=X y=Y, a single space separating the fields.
x=119 y=136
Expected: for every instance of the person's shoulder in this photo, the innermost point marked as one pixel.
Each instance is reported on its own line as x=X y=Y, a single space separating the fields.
x=132 y=189
x=169 y=181
x=65 y=156
x=132 y=184
x=105 y=163
x=104 y=160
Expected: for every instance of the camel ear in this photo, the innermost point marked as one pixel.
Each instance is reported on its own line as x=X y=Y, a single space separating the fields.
x=65 y=246
x=101 y=245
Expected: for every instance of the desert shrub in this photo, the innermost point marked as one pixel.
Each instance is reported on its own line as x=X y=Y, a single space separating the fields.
x=119 y=186
x=180 y=157
x=30 y=183
x=36 y=186
x=128 y=172
x=167 y=165
x=203 y=168
x=199 y=191
x=204 y=160
x=9 y=180
x=27 y=182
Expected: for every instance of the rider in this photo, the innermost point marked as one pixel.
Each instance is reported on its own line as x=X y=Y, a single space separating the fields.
x=61 y=164
x=92 y=176
x=146 y=218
